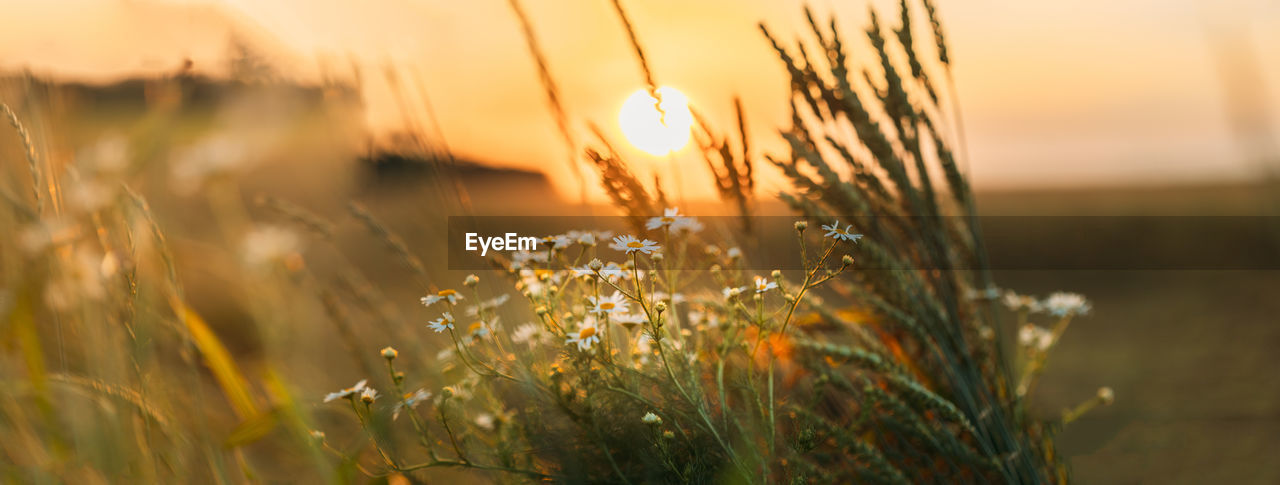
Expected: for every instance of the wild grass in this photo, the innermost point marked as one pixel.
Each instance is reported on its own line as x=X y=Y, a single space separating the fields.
x=598 y=358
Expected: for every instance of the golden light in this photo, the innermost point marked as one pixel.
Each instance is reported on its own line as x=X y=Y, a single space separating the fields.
x=644 y=126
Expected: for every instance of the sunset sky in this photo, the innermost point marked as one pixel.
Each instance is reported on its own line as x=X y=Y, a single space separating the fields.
x=1054 y=93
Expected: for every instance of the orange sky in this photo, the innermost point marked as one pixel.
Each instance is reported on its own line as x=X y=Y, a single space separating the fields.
x=1083 y=92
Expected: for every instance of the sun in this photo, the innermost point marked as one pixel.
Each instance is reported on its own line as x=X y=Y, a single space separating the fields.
x=647 y=129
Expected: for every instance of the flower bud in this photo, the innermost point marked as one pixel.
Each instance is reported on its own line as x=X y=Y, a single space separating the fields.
x=389 y=353
x=776 y=274
x=847 y=260
x=801 y=226
x=471 y=281
x=656 y=257
x=661 y=306
x=540 y=310
x=1106 y=395
x=595 y=264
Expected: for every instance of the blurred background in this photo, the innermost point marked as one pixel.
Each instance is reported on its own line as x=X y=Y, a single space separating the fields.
x=1094 y=108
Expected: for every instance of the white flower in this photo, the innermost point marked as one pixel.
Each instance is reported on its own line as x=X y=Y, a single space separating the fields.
x=650 y=418
x=630 y=319
x=488 y=304
x=673 y=299
x=410 y=401
x=587 y=336
x=846 y=234
x=1032 y=336
x=268 y=244
x=1018 y=302
x=669 y=218
x=613 y=270
x=582 y=237
x=559 y=241
x=733 y=253
x=525 y=333
x=1062 y=304
x=348 y=392
x=687 y=225
x=477 y=330
x=485 y=420
x=440 y=324
x=521 y=258
x=763 y=284
x=731 y=292
x=630 y=244
x=614 y=303
x=451 y=296
x=368 y=395
x=445 y=353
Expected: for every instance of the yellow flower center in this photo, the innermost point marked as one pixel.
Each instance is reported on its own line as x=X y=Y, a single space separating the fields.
x=586 y=333
x=446 y=293
x=475 y=327
x=635 y=244
x=608 y=305
x=668 y=220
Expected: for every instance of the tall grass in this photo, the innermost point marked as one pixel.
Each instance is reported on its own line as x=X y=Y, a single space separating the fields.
x=598 y=358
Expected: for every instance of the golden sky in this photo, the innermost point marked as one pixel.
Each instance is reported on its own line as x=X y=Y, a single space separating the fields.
x=1082 y=92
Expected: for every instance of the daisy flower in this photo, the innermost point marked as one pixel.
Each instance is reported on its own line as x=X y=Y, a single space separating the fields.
x=670 y=218
x=440 y=324
x=525 y=333
x=368 y=395
x=630 y=244
x=346 y=393
x=1032 y=336
x=589 y=335
x=614 y=303
x=846 y=234
x=763 y=284
x=1065 y=304
x=630 y=319
x=451 y=295
x=559 y=241
x=410 y=401
x=688 y=225
x=731 y=292
x=1018 y=302
x=650 y=418
x=478 y=330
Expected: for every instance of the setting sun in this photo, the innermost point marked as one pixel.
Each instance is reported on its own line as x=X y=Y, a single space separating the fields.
x=644 y=126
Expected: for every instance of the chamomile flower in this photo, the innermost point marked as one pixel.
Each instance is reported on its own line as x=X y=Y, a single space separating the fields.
x=629 y=243
x=669 y=218
x=587 y=336
x=731 y=292
x=1035 y=337
x=1062 y=304
x=410 y=401
x=630 y=320
x=650 y=418
x=846 y=234
x=488 y=304
x=1018 y=302
x=559 y=241
x=614 y=303
x=349 y=392
x=477 y=330
x=763 y=284
x=526 y=333
x=440 y=324
x=451 y=296
x=687 y=225
x=368 y=395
